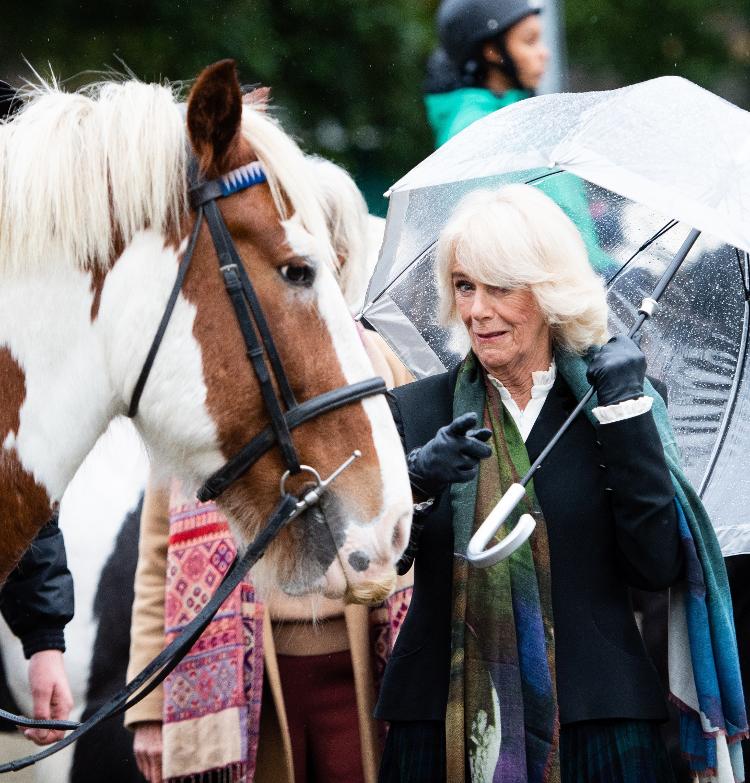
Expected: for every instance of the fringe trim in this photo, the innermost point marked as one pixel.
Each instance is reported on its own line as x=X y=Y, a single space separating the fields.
x=731 y=738
x=553 y=759
x=232 y=773
x=707 y=771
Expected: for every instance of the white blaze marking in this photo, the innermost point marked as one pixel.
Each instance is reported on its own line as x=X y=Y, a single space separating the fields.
x=355 y=366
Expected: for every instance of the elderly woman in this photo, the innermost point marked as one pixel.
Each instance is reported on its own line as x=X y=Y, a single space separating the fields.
x=544 y=642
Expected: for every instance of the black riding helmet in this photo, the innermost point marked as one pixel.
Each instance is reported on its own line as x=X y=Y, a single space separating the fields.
x=465 y=25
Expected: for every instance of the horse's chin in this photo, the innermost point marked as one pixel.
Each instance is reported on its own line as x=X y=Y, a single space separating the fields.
x=334 y=585
x=372 y=592
x=297 y=589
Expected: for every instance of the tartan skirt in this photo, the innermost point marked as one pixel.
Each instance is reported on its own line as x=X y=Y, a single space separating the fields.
x=614 y=751
x=604 y=751
x=414 y=752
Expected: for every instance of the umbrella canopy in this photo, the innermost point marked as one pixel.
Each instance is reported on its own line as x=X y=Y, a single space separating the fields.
x=650 y=160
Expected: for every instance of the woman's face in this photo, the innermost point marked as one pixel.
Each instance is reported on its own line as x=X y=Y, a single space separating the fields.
x=506 y=326
x=524 y=44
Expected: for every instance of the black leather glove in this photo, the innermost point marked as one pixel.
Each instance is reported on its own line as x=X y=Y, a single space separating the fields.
x=451 y=457
x=617 y=372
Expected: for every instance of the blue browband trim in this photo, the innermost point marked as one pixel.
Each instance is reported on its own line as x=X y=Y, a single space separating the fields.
x=236 y=180
x=242 y=178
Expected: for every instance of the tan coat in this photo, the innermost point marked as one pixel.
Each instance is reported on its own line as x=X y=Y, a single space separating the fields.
x=274 y=762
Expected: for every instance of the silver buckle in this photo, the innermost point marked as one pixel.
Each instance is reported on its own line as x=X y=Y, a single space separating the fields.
x=311 y=497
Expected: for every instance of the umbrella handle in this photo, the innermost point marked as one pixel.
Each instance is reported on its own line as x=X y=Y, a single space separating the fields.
x=476 y=553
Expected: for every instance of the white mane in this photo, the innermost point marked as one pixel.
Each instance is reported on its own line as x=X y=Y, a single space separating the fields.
x=291 y=179
x=80 y=171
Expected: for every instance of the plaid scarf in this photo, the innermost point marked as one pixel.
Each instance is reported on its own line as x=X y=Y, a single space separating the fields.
x=704 y=673
x=212 y=699
x=502 y=649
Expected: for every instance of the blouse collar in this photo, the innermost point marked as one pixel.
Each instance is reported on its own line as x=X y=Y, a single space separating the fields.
x=543 y=381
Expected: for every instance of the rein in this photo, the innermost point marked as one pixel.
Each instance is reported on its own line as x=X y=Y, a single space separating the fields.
x=156 y=671
x=285 y=413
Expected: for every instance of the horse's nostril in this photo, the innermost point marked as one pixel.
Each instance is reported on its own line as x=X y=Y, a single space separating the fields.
x=359 y=561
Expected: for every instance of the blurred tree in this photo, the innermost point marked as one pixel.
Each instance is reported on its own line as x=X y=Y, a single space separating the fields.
x=616 y=42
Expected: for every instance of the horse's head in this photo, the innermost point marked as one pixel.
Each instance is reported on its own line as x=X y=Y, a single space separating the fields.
x=202 y=402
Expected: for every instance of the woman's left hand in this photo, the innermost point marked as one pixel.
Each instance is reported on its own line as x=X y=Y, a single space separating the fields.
x=617 y=372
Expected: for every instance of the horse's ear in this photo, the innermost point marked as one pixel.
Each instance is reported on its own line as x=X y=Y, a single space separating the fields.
x=213 y=116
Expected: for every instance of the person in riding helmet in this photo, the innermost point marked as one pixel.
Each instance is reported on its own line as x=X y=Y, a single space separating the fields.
x=491 y=55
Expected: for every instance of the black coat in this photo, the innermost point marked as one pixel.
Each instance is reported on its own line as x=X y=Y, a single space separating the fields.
x=608 y=502
x=37 y=599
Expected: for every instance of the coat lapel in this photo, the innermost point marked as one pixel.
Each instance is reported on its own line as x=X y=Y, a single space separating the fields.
x=557 y=407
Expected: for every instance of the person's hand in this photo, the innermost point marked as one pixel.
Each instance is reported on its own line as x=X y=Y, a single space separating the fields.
x=451 y=457
x=147 y=746
x=617 y=371
x=51 y=694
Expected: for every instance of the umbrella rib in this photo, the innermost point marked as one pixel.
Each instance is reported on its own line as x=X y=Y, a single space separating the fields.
x=734 y=391
x=743 y=272
x=406 y=269
x=544 y=176
x=668 y=226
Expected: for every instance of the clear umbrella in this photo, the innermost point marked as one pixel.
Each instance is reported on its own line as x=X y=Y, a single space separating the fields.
x=651 y=161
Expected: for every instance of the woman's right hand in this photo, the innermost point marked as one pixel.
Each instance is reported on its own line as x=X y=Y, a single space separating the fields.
x=147 y=746
x=451 y=457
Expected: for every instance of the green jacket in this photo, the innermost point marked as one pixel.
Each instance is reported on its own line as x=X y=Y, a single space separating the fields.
x=450 y=112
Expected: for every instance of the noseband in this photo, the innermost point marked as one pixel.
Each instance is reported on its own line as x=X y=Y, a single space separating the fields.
x=283 y=409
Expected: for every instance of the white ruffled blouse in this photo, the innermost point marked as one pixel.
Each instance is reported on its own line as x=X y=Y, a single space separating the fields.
x=543 y=381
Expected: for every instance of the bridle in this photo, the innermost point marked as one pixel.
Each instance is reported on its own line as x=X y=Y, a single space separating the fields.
x=284 y=411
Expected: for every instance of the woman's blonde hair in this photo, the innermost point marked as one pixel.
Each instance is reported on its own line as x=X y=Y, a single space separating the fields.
x=517 y=237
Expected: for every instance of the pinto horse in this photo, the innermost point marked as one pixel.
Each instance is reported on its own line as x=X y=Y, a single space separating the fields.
x=94 y=220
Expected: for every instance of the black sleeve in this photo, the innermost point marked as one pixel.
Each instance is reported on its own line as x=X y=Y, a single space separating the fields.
x=37 y=599
x=642 y=498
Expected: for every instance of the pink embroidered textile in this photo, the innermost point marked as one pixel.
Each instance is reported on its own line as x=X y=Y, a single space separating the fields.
x=212 y=699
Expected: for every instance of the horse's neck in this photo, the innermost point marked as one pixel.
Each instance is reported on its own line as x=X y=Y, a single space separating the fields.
x=72 y=345
x=54 y=397
x=172 y=417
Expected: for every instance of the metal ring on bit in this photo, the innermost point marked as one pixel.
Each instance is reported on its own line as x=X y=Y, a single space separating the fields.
x=302 y=469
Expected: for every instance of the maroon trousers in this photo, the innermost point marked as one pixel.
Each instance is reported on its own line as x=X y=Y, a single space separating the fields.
x=321 y=707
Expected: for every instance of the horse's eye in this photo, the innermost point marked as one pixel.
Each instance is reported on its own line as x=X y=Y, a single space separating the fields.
x=298 y=274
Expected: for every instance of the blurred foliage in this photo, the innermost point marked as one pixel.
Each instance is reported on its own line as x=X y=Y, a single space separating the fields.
x=347 y=74
x=616 y=42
